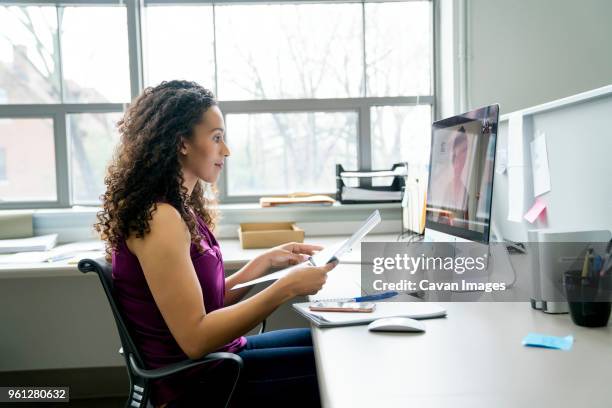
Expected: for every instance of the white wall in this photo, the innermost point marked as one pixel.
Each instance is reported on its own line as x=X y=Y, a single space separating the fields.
x=578 y=142
x=526 y=52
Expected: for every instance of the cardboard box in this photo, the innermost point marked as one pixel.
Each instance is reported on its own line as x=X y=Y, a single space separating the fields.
x=269 y=234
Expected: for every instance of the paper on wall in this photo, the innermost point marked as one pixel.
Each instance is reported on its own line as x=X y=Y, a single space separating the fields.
x=515 y=193
x=539 y=165
x=515 y=140
x=501 y=161
x=515 y=168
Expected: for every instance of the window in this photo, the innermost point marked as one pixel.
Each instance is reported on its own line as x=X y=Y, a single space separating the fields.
x=92 y=139
x=94 y=54
x=29 y=57
x=398 y=48
x=401 y=133
x=303 y=86
x=179 y=44
x=289 y=51
x=64 y=76
x=293 y=144
x=27 y=162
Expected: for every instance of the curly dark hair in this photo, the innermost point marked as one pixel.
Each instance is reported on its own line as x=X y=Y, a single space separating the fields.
x=145 y=168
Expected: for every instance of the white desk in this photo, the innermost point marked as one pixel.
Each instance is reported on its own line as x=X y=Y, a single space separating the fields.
x=59 y=301
x=233 y=255
x=471 y=358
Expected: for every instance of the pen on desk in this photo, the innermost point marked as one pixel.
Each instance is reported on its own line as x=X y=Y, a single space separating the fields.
x=370 y=298
x=367 y=298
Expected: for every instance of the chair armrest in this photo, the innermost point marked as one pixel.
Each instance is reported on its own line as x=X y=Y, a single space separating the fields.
x=184 y=365
x=262 y=326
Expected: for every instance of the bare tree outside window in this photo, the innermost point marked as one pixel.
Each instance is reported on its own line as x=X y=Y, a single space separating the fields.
x=29 y=55
x=94 y=54
x=269 y=156
x=289 y=51
x=30 y=71
x=179 y=44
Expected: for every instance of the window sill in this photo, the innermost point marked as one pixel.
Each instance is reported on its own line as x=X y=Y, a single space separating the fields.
x=74 y=224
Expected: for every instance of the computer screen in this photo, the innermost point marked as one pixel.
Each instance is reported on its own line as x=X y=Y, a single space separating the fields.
x=461 y=174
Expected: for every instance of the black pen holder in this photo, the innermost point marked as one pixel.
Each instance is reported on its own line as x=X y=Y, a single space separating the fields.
x=588 y=298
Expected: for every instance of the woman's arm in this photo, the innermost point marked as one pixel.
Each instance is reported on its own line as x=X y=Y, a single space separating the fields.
x=254 y=269
x=165 y=260
x=280 y=256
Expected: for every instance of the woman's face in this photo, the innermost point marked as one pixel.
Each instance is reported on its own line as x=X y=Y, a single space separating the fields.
x=204 y=155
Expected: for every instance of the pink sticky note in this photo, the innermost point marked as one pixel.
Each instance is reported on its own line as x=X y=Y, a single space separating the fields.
x=535 y=210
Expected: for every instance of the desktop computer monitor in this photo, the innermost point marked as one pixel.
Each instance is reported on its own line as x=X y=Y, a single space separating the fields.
x=461 y=172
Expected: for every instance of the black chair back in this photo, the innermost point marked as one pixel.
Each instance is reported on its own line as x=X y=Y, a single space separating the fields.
x=104 y=270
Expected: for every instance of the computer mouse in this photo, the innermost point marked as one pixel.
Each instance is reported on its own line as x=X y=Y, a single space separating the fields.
x=397 y=324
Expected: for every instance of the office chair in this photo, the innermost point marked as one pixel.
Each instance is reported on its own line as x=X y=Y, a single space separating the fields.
x=139 y=376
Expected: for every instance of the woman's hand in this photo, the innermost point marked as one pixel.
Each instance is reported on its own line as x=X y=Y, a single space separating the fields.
x=306 y=280
x=289 y=254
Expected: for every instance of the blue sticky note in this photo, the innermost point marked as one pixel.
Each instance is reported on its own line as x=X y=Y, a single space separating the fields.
x=552 y=342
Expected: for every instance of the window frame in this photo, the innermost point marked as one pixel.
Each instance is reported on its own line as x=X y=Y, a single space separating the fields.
x=361 y=106
x=134 y=10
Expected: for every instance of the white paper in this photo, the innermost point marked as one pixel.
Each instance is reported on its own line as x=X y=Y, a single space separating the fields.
x=515 y=168
x=515 y=193
x=515 y=140
x=272 y=276
x=414 y=310
x=398 y=171
x=501 y=161
x=64 y=252
x=363 y=194
x=24 y=258
x=539 y=165
x=38 y=243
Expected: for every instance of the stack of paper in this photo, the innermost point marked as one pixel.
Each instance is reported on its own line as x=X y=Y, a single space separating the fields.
x=363 y=194
x=398 y=171
x=86 y=249
x=414 y=310
x=40 y=243
x=296 y=200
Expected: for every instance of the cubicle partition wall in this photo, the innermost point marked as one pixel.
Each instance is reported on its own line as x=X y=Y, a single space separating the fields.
x=578 y=138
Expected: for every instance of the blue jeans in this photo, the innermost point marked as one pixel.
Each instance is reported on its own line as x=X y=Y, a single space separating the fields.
x=279 y=371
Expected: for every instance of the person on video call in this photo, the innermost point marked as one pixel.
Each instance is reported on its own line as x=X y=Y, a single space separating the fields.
x=168 y=272
x=455 y=194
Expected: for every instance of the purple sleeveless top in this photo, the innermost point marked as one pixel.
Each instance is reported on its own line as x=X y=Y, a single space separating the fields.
x=149 y=330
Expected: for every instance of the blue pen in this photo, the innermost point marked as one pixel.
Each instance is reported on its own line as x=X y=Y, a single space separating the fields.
x=370 y=298
x=367 y=298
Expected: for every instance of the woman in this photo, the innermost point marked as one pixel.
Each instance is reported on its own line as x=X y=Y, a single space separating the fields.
x=168 y=269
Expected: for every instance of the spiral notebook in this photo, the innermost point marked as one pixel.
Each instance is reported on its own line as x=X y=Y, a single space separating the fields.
x=414 y=310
